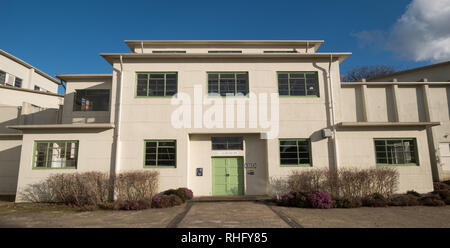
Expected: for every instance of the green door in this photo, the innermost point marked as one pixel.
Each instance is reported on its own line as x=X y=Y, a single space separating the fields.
x=227 y=176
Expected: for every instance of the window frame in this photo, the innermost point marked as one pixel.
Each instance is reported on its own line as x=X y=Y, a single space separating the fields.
x=310 y=164
x=159 y=166
x=416 y=154
x=36 y=142
x=289 y=88
x=213 y=94
x=148 y=83
x=108 y=107
x=227 y=143
x=4 y=77
x=20 y=82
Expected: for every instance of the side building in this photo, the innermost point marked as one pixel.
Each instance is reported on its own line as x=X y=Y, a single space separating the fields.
x=27 y=96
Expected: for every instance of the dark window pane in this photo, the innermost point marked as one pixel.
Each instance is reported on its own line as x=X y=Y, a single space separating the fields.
x=227 y=143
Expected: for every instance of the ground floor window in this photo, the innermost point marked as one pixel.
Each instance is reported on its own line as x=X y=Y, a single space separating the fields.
x=295 y=152
x=398 y=151
x=227 y=143
x=160 y=153
x=55 y=154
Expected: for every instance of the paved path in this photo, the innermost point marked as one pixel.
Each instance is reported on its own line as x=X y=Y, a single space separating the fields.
x=226 y=214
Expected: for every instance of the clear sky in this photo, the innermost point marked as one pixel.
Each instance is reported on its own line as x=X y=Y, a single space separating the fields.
x=67 y=36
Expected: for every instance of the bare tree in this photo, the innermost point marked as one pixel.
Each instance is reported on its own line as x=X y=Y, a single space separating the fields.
x=368 y=72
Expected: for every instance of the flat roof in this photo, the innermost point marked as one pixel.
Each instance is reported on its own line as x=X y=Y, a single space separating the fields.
x=66 y=77
x=283 y=43
x=30 y=90
x=410 y=70
x=64 y=126
x=14 y=58
x=110 y=57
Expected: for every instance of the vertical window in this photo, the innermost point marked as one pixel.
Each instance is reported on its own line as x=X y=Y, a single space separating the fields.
x=228 y=83
x=295 y=152
x=91 y=100
x=160 y=153
x=2 y=77
x=18 y=82
x=298 y=84
x=37 y=87
x=156 y=84
x=55 y=154
x=396 y=151
x=227 y=143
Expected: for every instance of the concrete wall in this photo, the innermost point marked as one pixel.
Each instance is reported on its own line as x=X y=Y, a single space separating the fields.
x=29 y=76
x=10 y=147
x=15 y=97
x=94 y=154
x=70 y=116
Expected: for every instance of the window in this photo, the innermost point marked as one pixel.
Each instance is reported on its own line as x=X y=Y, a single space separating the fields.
x=160 y=153
x=298 y=84
x=227 y=143
x=156 y=84
x=162 y=51
x=55 y=154
x=228 y=83
x=2 y=77
x=91 y=100
x=290 y=51
x=295 y=152
x=396 y=151
x=37 y=87
x=18 y=82
x=225 y=51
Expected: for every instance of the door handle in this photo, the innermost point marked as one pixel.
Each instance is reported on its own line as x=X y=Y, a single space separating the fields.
x=227 y=175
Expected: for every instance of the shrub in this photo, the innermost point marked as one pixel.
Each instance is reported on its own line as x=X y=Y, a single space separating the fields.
x=346 y=203
x=133 y=186
x=405 y=200
x=348 y=183
x=414 y=193
x=188 y=193
x=319 y=199
x=440 y=186
x=375 y=200
x=444 y=195
x=132 y=205
x=165 y=201
x=431 y=200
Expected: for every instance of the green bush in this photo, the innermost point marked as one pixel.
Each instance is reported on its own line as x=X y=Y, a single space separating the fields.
x=178 y=192
x=342 y=203
x=444 y=195
x=431 y=200
x=165 y=201
x=414 y=193
x=375 y=200
x=405 y=200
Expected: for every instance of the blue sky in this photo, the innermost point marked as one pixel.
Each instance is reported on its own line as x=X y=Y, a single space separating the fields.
x=66 y=36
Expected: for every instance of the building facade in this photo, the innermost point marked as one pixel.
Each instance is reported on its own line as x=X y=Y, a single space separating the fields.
x=229 y=117
x=27 y=96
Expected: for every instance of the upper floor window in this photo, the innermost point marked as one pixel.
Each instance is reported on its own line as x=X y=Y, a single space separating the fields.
x=164 y=51
x=18 y=82
x=55 y=154
x=295 y=152
x=37 y=87
x=2 y=77
x=298 y=84
x=91 y=100
x=396 y=151
x=228 y=83
x=225 y=51
x=227 y=143
x=156 y=84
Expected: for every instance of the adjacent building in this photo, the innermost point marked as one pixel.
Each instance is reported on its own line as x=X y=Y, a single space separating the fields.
x=229 y=117
x=27 y=96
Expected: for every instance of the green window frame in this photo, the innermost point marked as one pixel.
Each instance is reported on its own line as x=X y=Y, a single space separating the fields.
x=55 y=154
x=227 y=143
x=396 y=151
x=156 y=84
x=295 y=152
x=160 y=154
x=228 y=83
x=298 y=84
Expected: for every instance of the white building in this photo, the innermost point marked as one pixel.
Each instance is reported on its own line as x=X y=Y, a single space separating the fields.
x=129 y=120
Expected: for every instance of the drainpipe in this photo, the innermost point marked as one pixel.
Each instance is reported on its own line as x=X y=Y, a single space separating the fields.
x=333 y=117
x=119 y=118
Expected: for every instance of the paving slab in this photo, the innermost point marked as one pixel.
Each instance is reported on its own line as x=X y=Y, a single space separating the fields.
x=389 y=217
x=231 y=214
